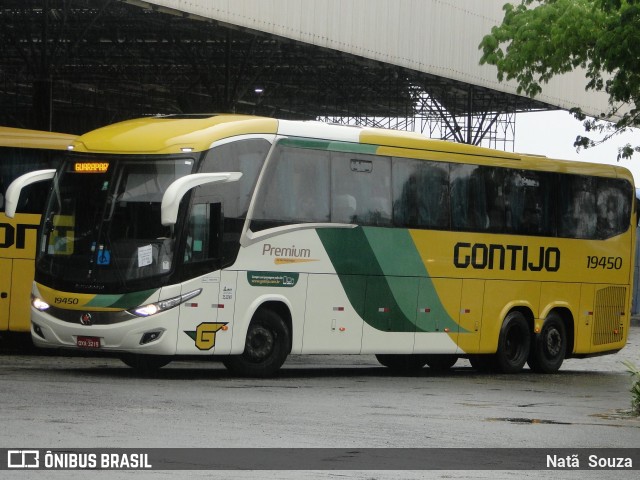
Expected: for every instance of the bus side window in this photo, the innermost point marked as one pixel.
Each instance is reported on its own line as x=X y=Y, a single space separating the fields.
x=530 y=205
x=468 y=199
x=367 y=180
x=295 y=189
x=420 y=194
x=614 y=206
x=33 y=197
x=230 y=201
x=578 y=216
x=24 y=160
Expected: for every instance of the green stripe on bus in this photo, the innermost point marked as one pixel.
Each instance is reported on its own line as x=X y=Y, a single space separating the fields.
x=316 y=144
x=388 y=299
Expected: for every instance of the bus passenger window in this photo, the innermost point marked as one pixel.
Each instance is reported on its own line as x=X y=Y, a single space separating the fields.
x=614 y=207
x=344 y=209
x=468 y=199
x=23 y=160
x=577 y=206
x=246 y=156
x=420 y=194
x=530 y=203
x=295 y=189
x=367 y=180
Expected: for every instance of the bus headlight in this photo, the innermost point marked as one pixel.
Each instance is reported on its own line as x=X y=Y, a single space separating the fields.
x=39 y=304
x=162 y=305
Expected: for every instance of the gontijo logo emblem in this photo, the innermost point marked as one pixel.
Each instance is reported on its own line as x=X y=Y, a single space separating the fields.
x=205 y=334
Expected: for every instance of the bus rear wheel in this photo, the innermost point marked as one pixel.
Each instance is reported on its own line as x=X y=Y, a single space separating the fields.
x=549 y=346
x=514 y=343
x=402 y=362
x=266 y=347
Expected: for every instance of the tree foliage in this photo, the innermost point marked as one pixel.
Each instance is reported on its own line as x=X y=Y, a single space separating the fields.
x=539 y=39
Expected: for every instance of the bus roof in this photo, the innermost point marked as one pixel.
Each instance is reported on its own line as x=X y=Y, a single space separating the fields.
x=23 y=138
x=183 y=133
x=171 y=134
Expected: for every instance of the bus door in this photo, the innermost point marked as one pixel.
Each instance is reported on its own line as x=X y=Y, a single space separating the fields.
x=198 y=324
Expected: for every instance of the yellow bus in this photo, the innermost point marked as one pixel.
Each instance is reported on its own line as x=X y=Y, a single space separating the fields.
x=22 y=151
x=254 y=238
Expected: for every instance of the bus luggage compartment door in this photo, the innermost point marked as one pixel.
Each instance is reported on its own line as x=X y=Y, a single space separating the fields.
x=390 y=314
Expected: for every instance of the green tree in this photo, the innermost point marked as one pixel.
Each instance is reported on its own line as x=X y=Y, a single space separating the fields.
x=539 y=39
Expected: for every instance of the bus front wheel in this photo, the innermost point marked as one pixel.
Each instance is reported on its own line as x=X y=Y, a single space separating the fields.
x=145 y=363
x=266 y=347
x=514 y=343
x=549 y=346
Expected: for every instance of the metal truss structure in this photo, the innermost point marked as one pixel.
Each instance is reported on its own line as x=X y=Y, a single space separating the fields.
x=74 y=65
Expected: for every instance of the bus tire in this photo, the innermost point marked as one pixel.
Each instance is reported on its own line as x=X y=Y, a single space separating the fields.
x=266 y=347
x=441 y=363
x=145 y=363
x=514 y=343
x=549 y=346
x=402 y=362
x=483 y=363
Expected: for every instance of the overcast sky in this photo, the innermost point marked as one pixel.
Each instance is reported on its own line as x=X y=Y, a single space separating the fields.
x=553 y=133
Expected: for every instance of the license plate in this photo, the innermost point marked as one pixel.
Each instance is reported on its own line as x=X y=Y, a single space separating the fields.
x=88 y=342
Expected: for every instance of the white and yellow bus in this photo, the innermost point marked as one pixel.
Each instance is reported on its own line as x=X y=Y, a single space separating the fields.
x=22 y=151
x=253 y=238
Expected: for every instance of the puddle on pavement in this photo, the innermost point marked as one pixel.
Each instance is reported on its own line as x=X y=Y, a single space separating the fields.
x=626 y=415
x=527 y=421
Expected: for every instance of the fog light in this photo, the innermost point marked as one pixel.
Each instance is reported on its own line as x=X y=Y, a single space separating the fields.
x=38 y=331
x=152 y=336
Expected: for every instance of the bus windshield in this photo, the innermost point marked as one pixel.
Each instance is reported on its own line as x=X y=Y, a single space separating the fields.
x=102 y=224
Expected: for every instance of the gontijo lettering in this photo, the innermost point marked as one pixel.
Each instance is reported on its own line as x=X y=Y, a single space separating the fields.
x=90 y=167
x=500 y=257
x=15 y=235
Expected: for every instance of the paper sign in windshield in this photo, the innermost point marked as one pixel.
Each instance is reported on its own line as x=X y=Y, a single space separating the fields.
x=145 y=256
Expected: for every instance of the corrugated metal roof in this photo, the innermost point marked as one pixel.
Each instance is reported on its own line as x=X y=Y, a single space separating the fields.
x=438 y=37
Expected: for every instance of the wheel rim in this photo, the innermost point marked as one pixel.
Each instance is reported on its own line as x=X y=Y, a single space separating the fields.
x=260 y=344
x=553 y=342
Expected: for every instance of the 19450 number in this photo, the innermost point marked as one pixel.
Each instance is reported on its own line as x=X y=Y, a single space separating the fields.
x=66 y=300
x=606 y=263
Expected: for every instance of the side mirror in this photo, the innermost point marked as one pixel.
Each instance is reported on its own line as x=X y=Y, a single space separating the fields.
x=13 y=192
x=177 y=190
